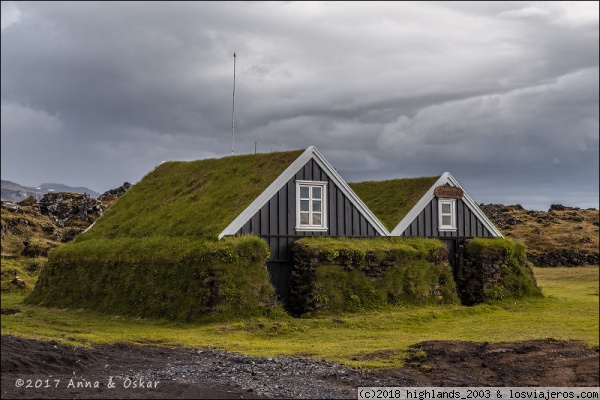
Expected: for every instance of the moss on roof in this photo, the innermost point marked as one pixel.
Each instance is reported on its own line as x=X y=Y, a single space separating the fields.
x=191 y=198
x=391 y=200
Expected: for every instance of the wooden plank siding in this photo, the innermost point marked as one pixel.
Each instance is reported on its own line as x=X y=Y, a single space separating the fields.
x=278 y=217
x=426 y=223
x=276 y=223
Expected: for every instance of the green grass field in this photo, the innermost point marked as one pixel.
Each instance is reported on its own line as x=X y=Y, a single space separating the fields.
x=568 y=311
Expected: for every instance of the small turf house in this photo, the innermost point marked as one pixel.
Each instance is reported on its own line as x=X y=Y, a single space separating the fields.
x=278 y=196
x=436 y=207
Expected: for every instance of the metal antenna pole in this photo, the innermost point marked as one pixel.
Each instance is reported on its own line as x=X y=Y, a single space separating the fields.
x=233 y=111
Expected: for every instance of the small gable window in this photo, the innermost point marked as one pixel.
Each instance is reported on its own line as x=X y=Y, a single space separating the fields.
x=311 y=205
x=447 y=214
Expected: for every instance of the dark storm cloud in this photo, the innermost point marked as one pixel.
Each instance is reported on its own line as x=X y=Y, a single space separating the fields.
x=504 y=95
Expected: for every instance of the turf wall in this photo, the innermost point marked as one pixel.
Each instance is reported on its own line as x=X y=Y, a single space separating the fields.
x=343 y=274
x=159 y=277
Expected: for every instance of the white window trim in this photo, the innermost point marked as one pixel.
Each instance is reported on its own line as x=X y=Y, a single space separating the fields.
x=312 y=228
x=441 y=226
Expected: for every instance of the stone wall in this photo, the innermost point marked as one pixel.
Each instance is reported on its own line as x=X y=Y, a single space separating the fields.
x=565 y=258
x=494 y=269
x=368 y=273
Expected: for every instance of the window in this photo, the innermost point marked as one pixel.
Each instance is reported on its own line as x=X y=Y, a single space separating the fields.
x=311 y=206
x=447 y=214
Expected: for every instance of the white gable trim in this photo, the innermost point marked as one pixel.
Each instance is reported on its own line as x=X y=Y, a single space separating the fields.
x=289 y=173
x=446 y=178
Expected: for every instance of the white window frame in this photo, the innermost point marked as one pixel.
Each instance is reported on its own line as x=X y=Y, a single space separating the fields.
x=452 y=226
x=310 y=227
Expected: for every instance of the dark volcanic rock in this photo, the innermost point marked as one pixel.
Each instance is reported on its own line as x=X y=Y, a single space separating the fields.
x=64 y=208
x=112 y=194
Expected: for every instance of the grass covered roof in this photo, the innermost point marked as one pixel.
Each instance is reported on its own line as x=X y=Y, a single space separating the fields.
x=391 y=200
x=191 y=198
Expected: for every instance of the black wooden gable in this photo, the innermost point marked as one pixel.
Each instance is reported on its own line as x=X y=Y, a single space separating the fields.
x=275 y=221
x=426 y=223
x=423 y=219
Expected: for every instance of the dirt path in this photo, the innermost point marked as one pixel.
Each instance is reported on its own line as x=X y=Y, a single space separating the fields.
x=63 y=372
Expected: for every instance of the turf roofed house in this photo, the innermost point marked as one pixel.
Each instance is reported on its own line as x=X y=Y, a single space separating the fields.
x=436 y=207
x=279 y=197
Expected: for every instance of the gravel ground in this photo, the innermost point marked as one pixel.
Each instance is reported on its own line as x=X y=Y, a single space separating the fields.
x=281 y=377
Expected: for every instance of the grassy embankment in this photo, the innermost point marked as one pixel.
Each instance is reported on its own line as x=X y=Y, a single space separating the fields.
x=568 y=310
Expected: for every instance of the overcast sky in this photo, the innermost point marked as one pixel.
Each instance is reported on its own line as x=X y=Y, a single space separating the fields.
x=503 y=95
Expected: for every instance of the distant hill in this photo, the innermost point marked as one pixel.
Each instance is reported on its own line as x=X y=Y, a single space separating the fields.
x=14 y=192
x=58 y=187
